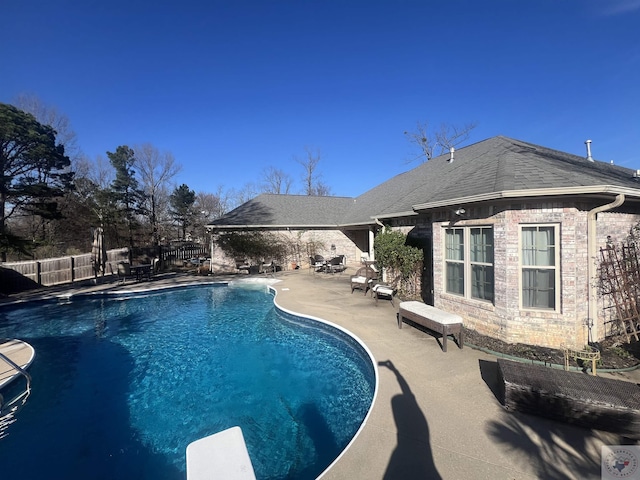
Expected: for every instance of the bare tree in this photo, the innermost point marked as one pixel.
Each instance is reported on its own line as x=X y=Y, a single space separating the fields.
x=247 y=192
x=163 y=215
x=92 y=178
x=225 y=200
x=322 y=189
x=48 y=115
x=276 y=181
x=207 y=207
x=312 y=179
x=309 y=164
x=156 y=170
x=438 y=142
x=100 y=171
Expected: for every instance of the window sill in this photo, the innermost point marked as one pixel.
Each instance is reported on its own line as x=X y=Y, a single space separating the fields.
x=472 y=302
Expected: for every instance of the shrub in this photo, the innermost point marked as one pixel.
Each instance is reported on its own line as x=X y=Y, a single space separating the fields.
x=254 y=246
x=401 y=261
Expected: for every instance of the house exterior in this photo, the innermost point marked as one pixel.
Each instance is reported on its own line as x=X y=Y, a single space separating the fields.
x=511 y=233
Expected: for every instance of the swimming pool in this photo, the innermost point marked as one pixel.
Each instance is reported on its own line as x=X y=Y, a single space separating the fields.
x=122 y=384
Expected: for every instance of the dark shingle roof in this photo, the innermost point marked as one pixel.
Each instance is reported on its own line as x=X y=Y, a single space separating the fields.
x=287 y=210
x=493 y=166
x=499 y=164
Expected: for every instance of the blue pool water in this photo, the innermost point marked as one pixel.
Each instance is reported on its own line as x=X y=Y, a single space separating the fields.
x=121 y=385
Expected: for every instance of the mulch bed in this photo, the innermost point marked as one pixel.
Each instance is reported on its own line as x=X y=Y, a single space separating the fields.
x=615 y=353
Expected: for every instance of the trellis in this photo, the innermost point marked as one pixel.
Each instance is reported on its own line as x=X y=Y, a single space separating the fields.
x=620 y=280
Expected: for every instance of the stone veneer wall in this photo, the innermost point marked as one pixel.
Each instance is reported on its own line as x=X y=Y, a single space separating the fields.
x=324 y=238
x=343 y=243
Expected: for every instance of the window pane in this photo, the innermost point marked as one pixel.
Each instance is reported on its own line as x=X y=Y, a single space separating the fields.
x=482 y=282
x=455 y=244
x=528 y=242
x=455 y=278
x=481 y=245
x=545 y=247
x=538 y=246
x=538 y=288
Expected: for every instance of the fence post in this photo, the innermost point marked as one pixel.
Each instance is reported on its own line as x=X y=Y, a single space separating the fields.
x=73 y=268
x=38 y=272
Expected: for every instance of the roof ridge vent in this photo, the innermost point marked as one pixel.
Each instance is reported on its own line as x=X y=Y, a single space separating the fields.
x=588 y=144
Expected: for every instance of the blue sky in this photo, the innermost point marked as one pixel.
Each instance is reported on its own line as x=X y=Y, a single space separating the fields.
x=232 y=87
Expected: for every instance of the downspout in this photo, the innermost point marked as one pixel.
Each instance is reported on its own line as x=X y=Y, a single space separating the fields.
x=592 y=253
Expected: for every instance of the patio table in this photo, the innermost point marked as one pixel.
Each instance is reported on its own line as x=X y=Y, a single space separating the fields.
x=141 y=271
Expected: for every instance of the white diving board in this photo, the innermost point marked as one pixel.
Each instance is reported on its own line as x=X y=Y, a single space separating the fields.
x=223 y=455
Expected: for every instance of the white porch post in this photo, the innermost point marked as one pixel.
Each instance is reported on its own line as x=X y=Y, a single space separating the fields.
x=372 y=254
x=211 y=256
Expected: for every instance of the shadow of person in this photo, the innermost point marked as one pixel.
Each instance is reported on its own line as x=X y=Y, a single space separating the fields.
x=412 y=457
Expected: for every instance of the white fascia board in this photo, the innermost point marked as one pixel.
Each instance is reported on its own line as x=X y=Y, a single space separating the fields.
x=357 y=224
x=539 y=192
x=410 y=213
x=237 y=227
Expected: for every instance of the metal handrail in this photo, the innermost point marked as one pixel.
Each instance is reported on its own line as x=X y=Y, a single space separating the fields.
x=23 y=395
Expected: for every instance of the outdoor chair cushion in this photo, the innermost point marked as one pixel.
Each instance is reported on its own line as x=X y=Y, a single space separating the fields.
x=384 y=290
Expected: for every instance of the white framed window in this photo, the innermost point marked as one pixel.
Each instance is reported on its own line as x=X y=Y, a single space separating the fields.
x=469 y=262
x=539 y=271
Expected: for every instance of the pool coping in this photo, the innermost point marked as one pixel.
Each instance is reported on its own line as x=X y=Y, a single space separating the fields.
x=374 y=365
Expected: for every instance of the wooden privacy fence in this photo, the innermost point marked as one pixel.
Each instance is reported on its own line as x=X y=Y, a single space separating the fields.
x=177 y=255
x=54 y=271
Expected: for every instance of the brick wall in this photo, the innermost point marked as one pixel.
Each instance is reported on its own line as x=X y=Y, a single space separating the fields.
x=613 y=227
x=505 y=319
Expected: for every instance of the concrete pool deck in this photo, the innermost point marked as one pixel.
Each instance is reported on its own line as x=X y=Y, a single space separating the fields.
x=436 y=414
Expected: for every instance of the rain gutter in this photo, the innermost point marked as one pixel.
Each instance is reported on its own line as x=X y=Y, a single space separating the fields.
x=536 y=192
